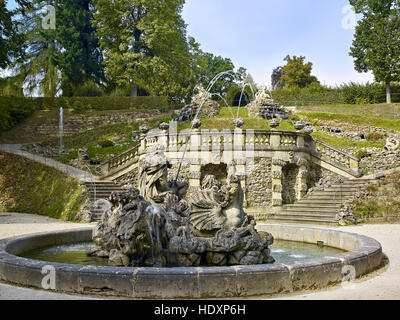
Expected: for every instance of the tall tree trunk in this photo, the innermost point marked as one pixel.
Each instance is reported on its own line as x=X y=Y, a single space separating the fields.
x=134 y=90
x=388 y=93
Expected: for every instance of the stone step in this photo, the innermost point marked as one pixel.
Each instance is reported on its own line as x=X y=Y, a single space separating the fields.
x=332 y=193
x=312 y=210
x=312 y=205
x=312 y=214
x=296 y=220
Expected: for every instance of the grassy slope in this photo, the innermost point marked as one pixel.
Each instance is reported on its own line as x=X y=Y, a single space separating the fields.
x=383 y=200
x=29 y=187
x=121 y=133
x=386 y=111
x=354 y=119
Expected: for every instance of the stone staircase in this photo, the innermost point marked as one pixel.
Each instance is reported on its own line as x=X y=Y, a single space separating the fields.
x=320 y=207
x=100 y=190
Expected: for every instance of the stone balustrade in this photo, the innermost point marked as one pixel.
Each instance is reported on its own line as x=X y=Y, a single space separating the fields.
x=120 y=161
x=208 y=140
x=235 y=147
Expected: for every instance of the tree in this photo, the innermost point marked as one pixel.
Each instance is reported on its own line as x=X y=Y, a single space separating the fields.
x=10 y=39
x=38 y=65
x=276 y=78
x=376 y=44
x=144 y=43
x=297 y=73
x=80 y=59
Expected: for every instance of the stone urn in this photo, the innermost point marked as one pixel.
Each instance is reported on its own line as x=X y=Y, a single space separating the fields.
x=308 y=129
x=299 y=125
x=196 y=124
x=238 y=123
x=164 y=126
x=274 y=123
x=144 y=129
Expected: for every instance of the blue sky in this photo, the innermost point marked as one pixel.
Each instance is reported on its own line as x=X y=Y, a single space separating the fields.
x=258 y=34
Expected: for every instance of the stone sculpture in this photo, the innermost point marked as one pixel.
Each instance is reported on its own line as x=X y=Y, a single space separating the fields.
x=154 y=184
x=262 y=99
x=210 y=108
x=392 y=144
x=160 y=230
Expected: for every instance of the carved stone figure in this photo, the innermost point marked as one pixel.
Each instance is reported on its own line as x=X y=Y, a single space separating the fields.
x=262 y=99
x=217 y=207
x=392 y=144
x=210 y=108
x=154 y=184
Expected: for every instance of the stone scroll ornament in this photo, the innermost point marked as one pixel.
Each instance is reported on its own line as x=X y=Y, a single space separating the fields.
x=155 y=227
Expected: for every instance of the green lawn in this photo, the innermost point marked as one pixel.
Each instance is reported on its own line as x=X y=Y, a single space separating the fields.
x=355 y=119
x=225 y=121
x=386 y=111
x=342 y=143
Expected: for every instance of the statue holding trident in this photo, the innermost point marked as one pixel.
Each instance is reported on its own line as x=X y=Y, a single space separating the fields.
x=153 y=182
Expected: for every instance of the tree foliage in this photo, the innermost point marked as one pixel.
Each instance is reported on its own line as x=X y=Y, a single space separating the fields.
x=10 y=38
x=276 y=78
x=376 y=45
x=297 y=73
x=80 y=59
x=144 y=43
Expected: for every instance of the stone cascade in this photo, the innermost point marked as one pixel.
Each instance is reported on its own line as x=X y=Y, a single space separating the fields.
x=239 y=150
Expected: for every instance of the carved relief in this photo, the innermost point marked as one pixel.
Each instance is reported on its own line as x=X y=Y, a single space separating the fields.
x=277 y=174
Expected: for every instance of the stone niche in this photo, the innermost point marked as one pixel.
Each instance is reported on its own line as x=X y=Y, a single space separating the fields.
x=220 y=171
x=289 y=181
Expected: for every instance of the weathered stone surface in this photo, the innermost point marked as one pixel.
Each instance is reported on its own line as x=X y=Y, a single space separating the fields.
x=135 y=232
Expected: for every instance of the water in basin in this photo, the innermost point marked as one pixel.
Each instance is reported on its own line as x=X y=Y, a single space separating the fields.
x=282 y=251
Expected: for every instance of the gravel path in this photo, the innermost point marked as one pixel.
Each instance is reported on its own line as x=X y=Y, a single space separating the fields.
x=381 y=285
x=70 y=171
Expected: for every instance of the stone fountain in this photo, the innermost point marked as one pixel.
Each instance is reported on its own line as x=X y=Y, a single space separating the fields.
x=156 y=226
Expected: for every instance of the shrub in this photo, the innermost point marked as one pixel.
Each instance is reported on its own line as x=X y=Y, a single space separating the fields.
x=360 y=154
x=106 y=144
x=89 y=89
x=78 y=106
x=375 y=136
x=13 y=110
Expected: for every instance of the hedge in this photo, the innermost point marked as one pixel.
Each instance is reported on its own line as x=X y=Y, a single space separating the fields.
x=352 y=93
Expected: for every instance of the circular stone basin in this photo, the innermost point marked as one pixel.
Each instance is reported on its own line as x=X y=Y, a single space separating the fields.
x=283 y=252
x=362 y=256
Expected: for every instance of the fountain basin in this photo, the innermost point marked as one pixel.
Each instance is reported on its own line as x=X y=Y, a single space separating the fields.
x=364 y=256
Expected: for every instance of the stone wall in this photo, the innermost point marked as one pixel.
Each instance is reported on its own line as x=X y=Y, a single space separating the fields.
x=77 y=124
x=259 y=184
x=32 y=129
